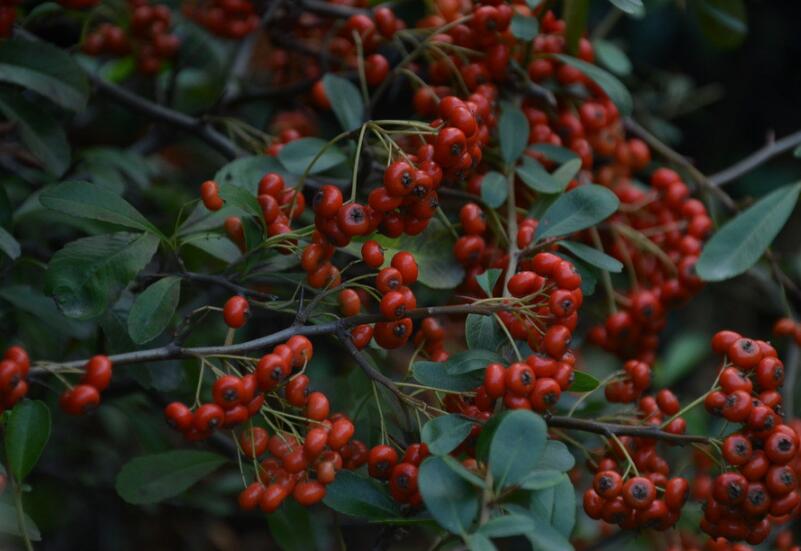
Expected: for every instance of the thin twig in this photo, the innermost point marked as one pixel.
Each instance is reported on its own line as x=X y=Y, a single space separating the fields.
x=767 y=152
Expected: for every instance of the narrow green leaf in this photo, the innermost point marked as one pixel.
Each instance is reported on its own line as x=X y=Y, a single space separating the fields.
x=86 y=200
x=723 y=22
x=740 y=243
x=615 y=89
x=26 y=434
x=556 y=457
x=29 y=300
x=512 y=132
x=298 y=155
x=524 y=27
x=576 y=210
x=247 y=171
x=583 y=382
x=541 y=479
x=593 y=256
x=45 y=69
x=346 y=101
x=505 y=526
x=433 y=374
x=241 y=199
x=479 y=542
x=451 y=500
x=444 y=433
x=494 y=189
x=8 y=244
x=152 y=310
x=87 y=275
x=555 y=153
x=359 y=496
x=470 y=360
x=154 y=478
x=40 y=132
x=612 y=57
x=516 y=447
x=566 y=172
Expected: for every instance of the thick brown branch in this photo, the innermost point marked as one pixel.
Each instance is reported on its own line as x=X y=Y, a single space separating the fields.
x=608 y=429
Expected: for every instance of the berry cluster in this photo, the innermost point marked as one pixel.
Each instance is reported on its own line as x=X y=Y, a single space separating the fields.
x=761 y=487
x=147 y=36
x=84 y=397
x=232 y=19
x=14 y=369
x=401 y=476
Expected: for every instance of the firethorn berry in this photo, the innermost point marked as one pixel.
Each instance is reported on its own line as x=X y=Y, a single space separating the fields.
x=361 y=335
x=667 y=402
x=308 y=493
x=722 y=341
x=208 y=417
x=273 y=496
x=393 y=305
x=341 y=432
x=297 y=390
x=372 y=254
x=405 y=263
x=781 y=447
x=389 y=279
x=381 y=460
x=676 y=492
x=227 y=391
x=317 y=406
x=638 y=492
x=607 y=484
x=556 y=340
x=10 y=375
x=744 y=353
x=80 y=400
x=495 y=380
x=519 y=378
x=545 y=394
x=301 y=351
x=253 y=442
x=250 y=497
x=209 y=193
x=349 y=302
x=737 y=449
x=236 y=312
x=18 y=355
x=178 y=416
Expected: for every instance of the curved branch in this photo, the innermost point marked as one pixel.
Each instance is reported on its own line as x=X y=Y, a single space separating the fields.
x=755 y=159
x=608 y=429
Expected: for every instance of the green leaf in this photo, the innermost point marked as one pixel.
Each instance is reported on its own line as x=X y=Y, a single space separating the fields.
x=291 y=527
x=494 y=189
x=87 y=275
x=241 y=199
x=615 y=89
x=555 y=153
x=583 y=382
x=214 y=244
x=113 y=168
x=45 y=69
x=297 y=156
x=40 y=132
x=86 y=200
x=723 y=22
x=631 y=7
x=346 y=101
x=576 y=210
x=742 y=240
x=154 y=478
x=592 y=256
x=247 y=171
x=565 y=173
x=512 y=132
x=575 y=14
x=462 y=471
x=505 y=526
x=32 y=301
x=612 y=57
x=556 y=506
x=359 y=496
x=683 y=354
x=516 y=447
x=541 y=479
x=488 y=279
x=152 y=310
x=797 y=152
x=524 y=27
x=26 y=434
x=479 y=542
x=556 y=457
x=537 y=178
x=483 y=333
x=451 y=500
x=9 y=524
x=444 y=433
x=470 y=360
x=435 y=375
x=8 y=244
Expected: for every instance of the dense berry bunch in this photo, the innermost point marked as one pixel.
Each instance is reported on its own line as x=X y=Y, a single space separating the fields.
x=146 y=35
x=232 y=19
x=85 y=396
x=14 y=368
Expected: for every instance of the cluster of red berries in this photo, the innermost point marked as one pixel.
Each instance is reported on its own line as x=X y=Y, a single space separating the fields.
x=535 y=384
x=284 y=137
x=232 y=19
x=14 y=369
x=85 y=397
x=401 y=475
x=429 y=338
x=147 y=37
x=761 y=487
